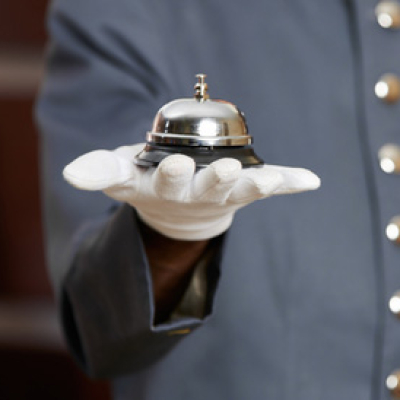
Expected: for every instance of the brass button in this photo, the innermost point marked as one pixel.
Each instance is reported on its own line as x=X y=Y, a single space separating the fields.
x=393 y=384
x=393 y=230
x=394 y=304
x=389 y=158
x=388 y=14
x=388 y=88
x=179 y=332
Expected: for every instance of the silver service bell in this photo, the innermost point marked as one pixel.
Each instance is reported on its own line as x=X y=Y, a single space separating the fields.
x=201 y=128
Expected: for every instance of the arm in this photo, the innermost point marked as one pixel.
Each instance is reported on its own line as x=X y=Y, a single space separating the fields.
x=171 y=263
x=104 y=82
x=107 y=302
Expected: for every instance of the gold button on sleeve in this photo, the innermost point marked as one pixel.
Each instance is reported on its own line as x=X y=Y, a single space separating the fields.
x=179 y=332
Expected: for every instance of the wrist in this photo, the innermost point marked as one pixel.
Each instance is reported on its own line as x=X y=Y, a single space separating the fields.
x=188 y=229
x=171 y=265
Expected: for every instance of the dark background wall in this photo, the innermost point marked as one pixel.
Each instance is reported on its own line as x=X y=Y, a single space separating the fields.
x=34 y=363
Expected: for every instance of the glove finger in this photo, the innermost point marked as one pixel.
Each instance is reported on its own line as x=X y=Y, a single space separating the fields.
x=296 y=180
x=172 y=178
x=214 y=183
x=99 y=170
x=254 y=184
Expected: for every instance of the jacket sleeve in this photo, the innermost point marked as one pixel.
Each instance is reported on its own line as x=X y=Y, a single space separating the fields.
x=107 y=301
x=105 y=79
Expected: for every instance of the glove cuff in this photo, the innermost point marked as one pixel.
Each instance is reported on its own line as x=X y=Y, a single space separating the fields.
x=199 y=230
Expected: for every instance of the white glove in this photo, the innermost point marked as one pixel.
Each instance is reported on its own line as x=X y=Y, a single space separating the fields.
x=176 y=201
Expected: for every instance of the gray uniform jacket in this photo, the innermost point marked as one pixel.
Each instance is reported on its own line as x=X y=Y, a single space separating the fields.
x=302 y=282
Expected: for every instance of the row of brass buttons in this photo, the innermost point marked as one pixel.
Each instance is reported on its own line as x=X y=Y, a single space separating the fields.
x=388 y=90
x=388 y=17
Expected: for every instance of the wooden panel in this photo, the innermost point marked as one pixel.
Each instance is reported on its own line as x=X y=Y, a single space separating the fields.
x=33 y=359
x=23 y=272
x=21 y=70
x=40 y=374
x=22 y=22
x=34 y=363
x=30 y=325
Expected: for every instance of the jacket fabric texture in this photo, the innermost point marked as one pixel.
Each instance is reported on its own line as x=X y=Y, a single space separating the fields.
x=301 y=283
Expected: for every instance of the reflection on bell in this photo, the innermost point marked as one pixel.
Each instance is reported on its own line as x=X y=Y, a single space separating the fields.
x=201 y=128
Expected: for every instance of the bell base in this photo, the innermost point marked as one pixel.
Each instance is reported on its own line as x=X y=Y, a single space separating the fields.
x=152 y=155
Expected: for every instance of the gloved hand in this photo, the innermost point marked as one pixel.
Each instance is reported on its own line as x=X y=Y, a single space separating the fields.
x=177 y=201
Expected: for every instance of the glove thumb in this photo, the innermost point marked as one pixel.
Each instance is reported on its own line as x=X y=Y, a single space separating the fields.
x=99 y=170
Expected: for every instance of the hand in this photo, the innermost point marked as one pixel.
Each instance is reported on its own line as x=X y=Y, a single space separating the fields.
x=177 y=201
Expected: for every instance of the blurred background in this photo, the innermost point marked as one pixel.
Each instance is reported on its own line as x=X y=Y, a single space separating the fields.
x=34 y=363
